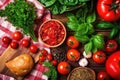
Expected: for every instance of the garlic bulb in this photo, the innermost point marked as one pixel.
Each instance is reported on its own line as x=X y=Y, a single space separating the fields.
x=88 y=55
x=83 y=62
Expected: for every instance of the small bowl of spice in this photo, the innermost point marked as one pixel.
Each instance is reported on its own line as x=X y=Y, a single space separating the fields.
x=82 y=73
x=52 y=33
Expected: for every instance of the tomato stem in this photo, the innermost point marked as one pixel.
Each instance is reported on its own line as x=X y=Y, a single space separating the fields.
x=115 y=6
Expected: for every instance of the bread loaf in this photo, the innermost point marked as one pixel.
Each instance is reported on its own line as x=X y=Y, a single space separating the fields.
x=21 y=65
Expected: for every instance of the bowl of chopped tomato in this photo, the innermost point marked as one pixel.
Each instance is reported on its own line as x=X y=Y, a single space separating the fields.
x=52 y=33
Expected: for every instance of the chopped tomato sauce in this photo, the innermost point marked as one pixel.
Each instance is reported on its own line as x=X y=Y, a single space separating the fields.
x=52 y=33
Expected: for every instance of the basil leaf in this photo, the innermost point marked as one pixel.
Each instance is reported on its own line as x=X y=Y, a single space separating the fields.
x=90 y=28
x=113 y=32
x=82 y=29
x=98 y=41
x=56 y=9
x=47 y=3
x=68 y=2
x=88 y=47
x=72 y=22
x=82 y=38
x=91 y=18
x=104 y=25
x=83 y=0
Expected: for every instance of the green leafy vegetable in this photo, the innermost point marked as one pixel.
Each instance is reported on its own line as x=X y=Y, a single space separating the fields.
x=51 y=73
x=22 y=15
x=60 y=6
x=113 y=32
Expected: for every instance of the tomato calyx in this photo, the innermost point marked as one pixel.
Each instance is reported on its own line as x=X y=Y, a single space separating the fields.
x=114 y=6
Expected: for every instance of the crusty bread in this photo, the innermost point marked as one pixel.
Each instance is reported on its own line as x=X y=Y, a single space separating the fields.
x=21 y=65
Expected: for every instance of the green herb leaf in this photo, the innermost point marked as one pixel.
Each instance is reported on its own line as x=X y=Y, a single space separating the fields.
x=83 y=0
x=91 y=18
x=47 y=3
x=113 y=32
x=69 y=2
x=98 y=41
x=72 y=22
x=88 y=47
x=82 y=38
x=104 y=25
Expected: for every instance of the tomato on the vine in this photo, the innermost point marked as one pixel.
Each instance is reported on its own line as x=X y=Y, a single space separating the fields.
x=14 y=45
x=17 y=35
x=6 y=40
x=99 y=57
x=111 y=46
x=73 y=55
x=49 y=57
x=25 y=42
x=72 y=42
x=109 y=10
x=103 y=75
x=54 y=62
x=33 y=48
x=63 y=68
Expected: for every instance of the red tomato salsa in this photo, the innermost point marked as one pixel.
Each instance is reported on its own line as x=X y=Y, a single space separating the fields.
x=52 y=33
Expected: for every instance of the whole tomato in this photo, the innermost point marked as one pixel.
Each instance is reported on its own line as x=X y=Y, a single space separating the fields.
x=108 y=10
x=25 y=42
x=14 y=45
x=73 y=55
x=6 y=40
x=113 y=65
x=99 y=57
x=44 y=52
x=33 y=48
x=49 y=57
x=72 y=42
x=54 y=62
x=111 y=46
x=103 y=75
x=64 y=68
x=17 y=35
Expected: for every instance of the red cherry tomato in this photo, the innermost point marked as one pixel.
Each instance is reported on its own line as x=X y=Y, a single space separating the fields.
x=54 y=62
x=63 y=68
x=108 y=10
x=25 y=42
x=17 y=35
x=103 y=75
x=44 y=52
x=49 y=57
x=6 y=40
x=73 y=55
x=72 y=42
x=14 y=45
x=33 y=48
x=42 y=58
x=111 y=46
x=99 y=57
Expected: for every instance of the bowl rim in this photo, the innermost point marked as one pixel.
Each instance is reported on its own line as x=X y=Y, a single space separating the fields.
x=91 y=70
x=39 y=36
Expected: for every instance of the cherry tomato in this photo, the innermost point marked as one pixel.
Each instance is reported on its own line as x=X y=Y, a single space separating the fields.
x=108 y=10
x=103 y=75
x=6 y=40
x=33 y=48
x=49 y=57
x=25 y=42
x=17 y=35
x=73 y=55
x=44 y=52
x=54 y=62
x=72 y=42
x=99 y=57
x=111 y=46
x=42 y=58
x=63 y=68
x=14 y=45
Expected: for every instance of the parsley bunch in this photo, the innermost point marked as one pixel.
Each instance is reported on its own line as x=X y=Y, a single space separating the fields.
x=22 y=15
